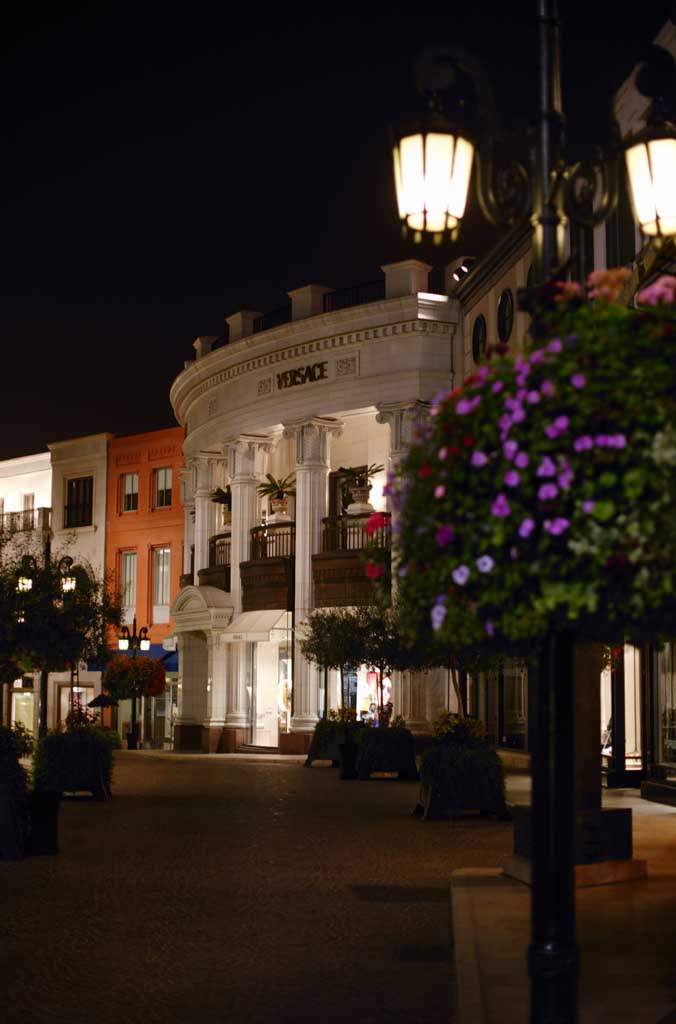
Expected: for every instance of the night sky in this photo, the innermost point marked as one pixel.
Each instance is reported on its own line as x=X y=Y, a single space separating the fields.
x=166 y=166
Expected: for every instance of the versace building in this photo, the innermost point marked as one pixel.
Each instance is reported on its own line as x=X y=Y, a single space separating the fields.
x=326 y=389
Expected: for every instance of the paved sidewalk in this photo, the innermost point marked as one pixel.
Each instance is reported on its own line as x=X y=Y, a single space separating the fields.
x=226 y=890
x=626 y=933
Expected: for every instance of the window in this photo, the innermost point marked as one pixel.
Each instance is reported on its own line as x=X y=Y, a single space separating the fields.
x=162 y=487
x=505 y=315
x=161 y=571
x=129 y=492
x=128 y=585
x=78 y=510
x=479 y=339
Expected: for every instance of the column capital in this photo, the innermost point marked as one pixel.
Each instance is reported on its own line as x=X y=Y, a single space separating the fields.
x=246 y=453
x=402 y=417
x=312 y=435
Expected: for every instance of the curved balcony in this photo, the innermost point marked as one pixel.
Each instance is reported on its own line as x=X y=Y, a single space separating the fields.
x=217 y=574
x=338 y=570
x=268 y=576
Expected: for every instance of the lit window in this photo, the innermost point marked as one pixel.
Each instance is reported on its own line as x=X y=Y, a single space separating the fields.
x=128 y=585
x=129 y=492
x=161 y=584
x=163 y=487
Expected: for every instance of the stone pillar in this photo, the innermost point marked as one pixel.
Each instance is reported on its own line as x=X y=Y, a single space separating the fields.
x=409 y=693
x=187 y=484
x=246 y=467
x=312 y=437
x=214 y=721
x=192 y=693
x=203 y=517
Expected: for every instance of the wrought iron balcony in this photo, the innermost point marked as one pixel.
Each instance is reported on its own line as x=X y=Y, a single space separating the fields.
x=356 y=295
x=26 y=519
x=268 y=576
x=217 y=574
x=338 y=570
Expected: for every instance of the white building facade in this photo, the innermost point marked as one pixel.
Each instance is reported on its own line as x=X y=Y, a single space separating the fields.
x=338 y=386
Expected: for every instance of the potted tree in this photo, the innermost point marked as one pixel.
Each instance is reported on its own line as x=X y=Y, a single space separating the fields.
x=131 y=677
x=223 y=496
x=278 y=491
x=358 y=482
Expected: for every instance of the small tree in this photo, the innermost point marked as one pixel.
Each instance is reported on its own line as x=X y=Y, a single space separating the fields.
x=333 y=639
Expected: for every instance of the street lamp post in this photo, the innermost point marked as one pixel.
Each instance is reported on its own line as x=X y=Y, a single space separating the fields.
x=133 y=642
x=28 y=573
x=432 y=169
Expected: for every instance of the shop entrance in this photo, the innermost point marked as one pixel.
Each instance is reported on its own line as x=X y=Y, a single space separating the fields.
x=268 y=636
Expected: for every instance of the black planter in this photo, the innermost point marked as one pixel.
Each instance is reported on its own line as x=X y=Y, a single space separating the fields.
x=44 y=809
x=12 y=827
x=131 y=741
x=348 y=760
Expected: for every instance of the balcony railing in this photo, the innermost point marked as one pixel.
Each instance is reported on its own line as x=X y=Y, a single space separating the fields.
x=217 y=573
x=275 y=540
x=348 y=533
x=272 y=319
x=356 y=295
x=26 y=519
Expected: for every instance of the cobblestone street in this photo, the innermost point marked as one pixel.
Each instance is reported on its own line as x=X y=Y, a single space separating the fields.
x=224 y=890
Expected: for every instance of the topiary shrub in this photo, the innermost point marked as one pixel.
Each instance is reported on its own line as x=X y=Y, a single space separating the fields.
x=14 y=810
x=80 y=759
x=460 y=772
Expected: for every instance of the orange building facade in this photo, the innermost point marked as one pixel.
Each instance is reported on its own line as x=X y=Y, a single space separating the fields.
x=144 y=537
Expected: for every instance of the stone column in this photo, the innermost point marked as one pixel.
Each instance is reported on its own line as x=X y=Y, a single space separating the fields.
x=313 y=438
x=187 y=485
x=246 y=456
x=203 y=503
x=409 y=692
x=216 y=691
x=192 y=693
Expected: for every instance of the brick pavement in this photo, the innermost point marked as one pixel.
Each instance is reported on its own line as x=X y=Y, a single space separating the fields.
x=225 y=890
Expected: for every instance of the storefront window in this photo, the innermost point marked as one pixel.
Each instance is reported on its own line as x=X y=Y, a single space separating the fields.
x=22 y=708
x=621 y=695
x=514 y=705
x=666 y=697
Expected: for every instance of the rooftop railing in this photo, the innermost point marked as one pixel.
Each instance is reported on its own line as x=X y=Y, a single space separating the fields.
x=356 y=295
x=275 y=540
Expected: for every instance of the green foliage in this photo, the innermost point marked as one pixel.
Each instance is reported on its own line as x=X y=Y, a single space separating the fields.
x=460 y=730
x=274 y=488
x=77 y=759
x=360 y=476
x=541 y=494
x=461 y=776
x=13 y=788
x=23 y=739
x=223 y=497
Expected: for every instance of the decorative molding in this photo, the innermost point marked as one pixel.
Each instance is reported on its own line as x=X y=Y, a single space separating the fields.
x=127 y=458
x=347 y=366
x=403 y=418
x=161 y=451
x=312 y=435
x=264 y=386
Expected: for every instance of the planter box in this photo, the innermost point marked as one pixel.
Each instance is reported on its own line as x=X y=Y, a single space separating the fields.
x=73 y=762
x=387 y=750
x=457 y=778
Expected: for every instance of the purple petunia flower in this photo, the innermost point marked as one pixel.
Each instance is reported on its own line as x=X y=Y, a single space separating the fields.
x=467 y=405
x=440 y=491
x=565 y=479
x=521 y=460
x=588 y=506
x=513 y=554
x=547 y=388
x=505 y=421
x=485 y=563
x=619 y=441
x=518 y=414
x=521 y=394
x=460 y=575
x=500 y=507
x=490 y=628
x=482 y=373
x=445 y=535
x=537 y=356
x=583 y=443
x=437 y=615
x=555 y=346
x=478 y=459
x=497 y=386
x=522 y=366
x=509 y=449
x=578 y=380
x=526 y=528
x=511 y=478
x=547 y=492
x=546 y=468
x=602 y=441
x=533 y=397
x=556 y=526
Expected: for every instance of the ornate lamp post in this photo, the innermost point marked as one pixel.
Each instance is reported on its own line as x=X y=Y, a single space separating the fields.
x=133 y=642
x=28 y=574
x=432 y=168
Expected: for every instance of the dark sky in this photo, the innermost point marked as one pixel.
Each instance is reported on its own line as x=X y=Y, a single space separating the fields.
x=164 y=166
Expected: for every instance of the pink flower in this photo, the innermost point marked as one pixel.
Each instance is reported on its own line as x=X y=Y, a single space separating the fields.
x=441 y=454
x=547 y=492
x=583 y=444
x=660 y=292
x=556 y=526
x=478 y=459
x=607 y=285
x=555 y=346
x=375 y=522
x=374 y=571
x=467 y=405
x=533 y=397
x=578 y=380
x=546 y=468
x=521 y=460
x=526 y=528
x=511 y=478
x=496 y=387
x=440 y=491
x=588 y=506
x=547 y=388
x=509 y=449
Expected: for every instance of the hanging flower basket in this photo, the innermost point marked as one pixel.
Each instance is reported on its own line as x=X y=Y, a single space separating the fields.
x=541 y=494
x=127 y=677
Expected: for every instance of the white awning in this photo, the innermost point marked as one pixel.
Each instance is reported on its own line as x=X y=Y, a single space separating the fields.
x=271 y=624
